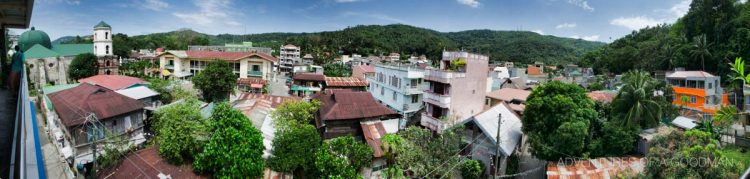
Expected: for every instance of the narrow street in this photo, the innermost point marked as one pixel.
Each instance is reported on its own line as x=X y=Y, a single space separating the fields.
x=53 y=161
x=277 y=85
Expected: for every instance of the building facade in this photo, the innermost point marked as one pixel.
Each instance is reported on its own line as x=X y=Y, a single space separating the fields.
x=697 y=91
x=400 y=87
x=181 y=64
x=288 y=54
x=455 y=90
x=230 y=47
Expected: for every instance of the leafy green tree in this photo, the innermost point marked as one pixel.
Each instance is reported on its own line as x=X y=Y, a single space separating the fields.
x=82 y=66
x=701 y=49
x=336 y=70
x=216 y=82
x=234 y=148
x=178 y=129
x=635 y=103
x=424 y=155
x=472 y=169
x=342 y=157
x=737 y=80
x=294 y=149
x=690 y=154
x=557 y=119
x=293 y=113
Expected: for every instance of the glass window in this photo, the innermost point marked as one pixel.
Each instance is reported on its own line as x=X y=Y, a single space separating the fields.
x=394 y=96
x=382 y=91
x=693 y=99
x=414 y=98
x=256 y=67
x=710 y=85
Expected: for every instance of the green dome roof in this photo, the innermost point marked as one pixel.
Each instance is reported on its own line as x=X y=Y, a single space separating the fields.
x=102 y=24
x=33 y=37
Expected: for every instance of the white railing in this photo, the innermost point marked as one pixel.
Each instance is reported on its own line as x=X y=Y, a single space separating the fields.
x=442 y=75
x=432 y=123
x=26 y=154
x=442 y=100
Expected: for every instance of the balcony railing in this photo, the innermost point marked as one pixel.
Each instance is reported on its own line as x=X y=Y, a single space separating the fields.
x=26 y=153
x=437 y=99
x=433 y=123
x=305 y=88
x=169 y=66
x=442 y=75
x=255 y=73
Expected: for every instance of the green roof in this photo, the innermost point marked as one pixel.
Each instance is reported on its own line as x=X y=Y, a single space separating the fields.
x=53 y=89
x=102 y=24
x=39 y=51
x=32 y=37
x=73 y=49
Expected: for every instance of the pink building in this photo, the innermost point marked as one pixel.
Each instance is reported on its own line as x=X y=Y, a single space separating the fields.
x=455 y=90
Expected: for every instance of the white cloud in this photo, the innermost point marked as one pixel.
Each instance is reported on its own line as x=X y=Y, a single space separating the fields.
x=581 y=3
x=540 y=32
x=635 y=23
x=470 y=3
x=591 y=38
x=680 y=9
x=566 y=25
x=575 y=37
x=211 y=12
x=156 y=5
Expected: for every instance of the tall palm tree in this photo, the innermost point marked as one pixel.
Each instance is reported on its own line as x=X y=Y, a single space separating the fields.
x=637 y=103
x=701 y=49
x=738 y=79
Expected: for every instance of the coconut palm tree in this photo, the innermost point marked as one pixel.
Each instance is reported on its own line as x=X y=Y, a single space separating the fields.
x=701 y=49
x=636 y=103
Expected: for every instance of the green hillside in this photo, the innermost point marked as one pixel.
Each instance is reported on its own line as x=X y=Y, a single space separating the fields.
x=517 y=46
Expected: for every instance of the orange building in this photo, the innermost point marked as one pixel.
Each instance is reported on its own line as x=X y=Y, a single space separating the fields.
x=697 y=91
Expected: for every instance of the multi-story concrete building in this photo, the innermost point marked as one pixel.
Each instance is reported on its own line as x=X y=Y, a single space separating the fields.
x=456 y=89
x=698 y=92
x=288 y=54
x=230 y=47
x=183 y=64
x=400 y=87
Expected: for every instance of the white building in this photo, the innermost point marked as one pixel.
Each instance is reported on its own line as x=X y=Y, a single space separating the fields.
x=399 y=87
x=102 y=39
x=288 y=54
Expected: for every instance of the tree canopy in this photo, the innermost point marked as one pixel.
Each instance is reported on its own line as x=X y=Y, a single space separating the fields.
x=216 y=82
x=690 y=154
x=292 y=113
x=234 y=148
x=82 y=66
x=294 y=149
x=342 y=157
x=178 y=130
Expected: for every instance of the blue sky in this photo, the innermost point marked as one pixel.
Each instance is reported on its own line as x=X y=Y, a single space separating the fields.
x=599 y=20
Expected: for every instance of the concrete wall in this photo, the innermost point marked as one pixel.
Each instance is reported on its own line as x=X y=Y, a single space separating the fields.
x=468 y=95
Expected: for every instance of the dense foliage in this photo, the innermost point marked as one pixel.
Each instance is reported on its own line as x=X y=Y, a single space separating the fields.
x=636 y=104
x=691 y=154
x=216 y=82
x=336 y=70
x=421 y=154
x=709 y=36
x=342 y=157
x=517 y=46
x=234 y=148
x=178 y=130
x=82 y=66
x=294 y=149
x=293 y=113
x=557 y=119
x=472 y=169
x=170 y=91
x=135 y=68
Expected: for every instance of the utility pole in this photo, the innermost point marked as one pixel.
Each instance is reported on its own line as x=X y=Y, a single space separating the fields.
x=90 y=119
x=497 y=139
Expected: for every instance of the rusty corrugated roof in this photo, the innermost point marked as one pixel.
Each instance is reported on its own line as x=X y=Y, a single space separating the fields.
x=345 y=82
x=608 y=167
x=74 y=104
x=251 y=80
x=309 y=76
x=373 y=132
x=147 y=163
x=345 y=104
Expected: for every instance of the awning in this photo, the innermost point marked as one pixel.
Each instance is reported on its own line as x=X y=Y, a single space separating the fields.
x=256 y=85
x=685 y=123
x=165 y=73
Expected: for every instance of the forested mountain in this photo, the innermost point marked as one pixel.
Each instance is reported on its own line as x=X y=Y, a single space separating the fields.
x=517 y=46
x=709 y=37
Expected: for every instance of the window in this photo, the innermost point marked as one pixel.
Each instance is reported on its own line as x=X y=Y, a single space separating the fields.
x=106 y=49
x=106 y=35
x=701 y=84
x=487 y=101
x=414 y=98
x=382 y=91
x=394 y=96
x=256 y=67
x=710 y=85
x=693 y=99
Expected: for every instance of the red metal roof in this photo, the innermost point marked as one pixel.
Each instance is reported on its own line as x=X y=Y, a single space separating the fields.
x=147 y=163
x=533 y=70
x=227 y=55
x=373 y=132
x=250 y=81
x=74 y=104
x=309 y=76
x=367 y=68
x=345 y=105
x=113 y=82
x=345 y=82
x=596 y=168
